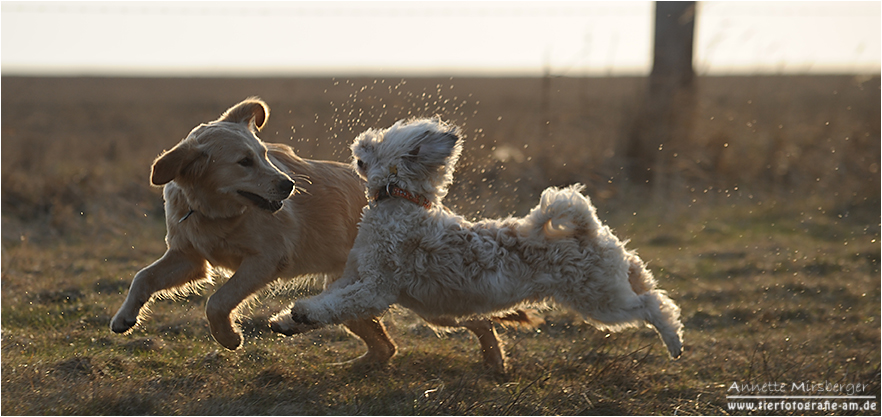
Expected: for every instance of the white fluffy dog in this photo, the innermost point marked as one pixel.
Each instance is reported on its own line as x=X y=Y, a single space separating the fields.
x=413 y=251
x=229 y=204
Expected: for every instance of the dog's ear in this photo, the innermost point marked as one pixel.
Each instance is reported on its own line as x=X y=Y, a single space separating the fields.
x=252 y=111
x=436 y=148
x=172 y=163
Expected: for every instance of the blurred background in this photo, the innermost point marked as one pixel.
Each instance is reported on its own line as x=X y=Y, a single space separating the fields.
x=685 y=99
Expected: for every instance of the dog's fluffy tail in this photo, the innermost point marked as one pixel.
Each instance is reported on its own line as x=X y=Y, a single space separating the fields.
x=563 y=212
x=639 y=277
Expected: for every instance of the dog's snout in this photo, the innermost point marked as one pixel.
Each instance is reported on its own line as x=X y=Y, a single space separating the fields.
x=286 y=186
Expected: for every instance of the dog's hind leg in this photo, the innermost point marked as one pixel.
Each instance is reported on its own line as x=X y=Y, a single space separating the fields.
x=664 y=315
x=172 y=270
x=380 y=347
x=652 y=307
x=491 y=348
x=660 y=310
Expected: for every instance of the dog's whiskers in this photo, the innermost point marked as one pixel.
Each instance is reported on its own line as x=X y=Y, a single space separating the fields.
x=298 y=189
x=299 y=177
x=302 y=177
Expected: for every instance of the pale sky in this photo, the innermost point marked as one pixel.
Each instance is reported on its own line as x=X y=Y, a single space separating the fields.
x=426 y=38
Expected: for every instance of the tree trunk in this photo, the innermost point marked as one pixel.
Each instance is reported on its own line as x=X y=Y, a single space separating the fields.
x=664 y=120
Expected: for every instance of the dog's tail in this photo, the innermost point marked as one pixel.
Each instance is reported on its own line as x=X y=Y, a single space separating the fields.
x=563 y=212
x=639 y=277
x=527 y=319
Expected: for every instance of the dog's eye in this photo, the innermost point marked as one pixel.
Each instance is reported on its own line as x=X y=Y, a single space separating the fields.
x=360 y=164
x=246 y=162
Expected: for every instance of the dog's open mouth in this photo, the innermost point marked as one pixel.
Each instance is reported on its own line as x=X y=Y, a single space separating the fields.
x=261 y=202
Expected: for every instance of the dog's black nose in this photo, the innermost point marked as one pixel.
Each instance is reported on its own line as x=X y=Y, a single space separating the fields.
x=286 y=186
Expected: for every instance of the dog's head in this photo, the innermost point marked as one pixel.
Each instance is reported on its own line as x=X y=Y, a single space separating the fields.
x=418 y=155
x=223 y=166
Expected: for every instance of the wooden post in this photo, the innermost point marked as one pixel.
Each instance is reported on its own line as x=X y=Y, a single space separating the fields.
x=664 y=119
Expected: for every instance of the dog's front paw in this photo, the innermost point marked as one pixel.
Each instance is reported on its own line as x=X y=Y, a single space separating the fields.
x=121 y=324
x=294 y=322
x=126 y=318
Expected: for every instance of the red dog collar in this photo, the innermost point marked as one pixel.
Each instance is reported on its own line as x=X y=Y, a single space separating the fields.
x=396 y=191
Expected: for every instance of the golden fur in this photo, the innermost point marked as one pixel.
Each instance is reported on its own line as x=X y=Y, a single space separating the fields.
x=229 y=204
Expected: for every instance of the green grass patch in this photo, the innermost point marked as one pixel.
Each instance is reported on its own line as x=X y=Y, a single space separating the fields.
x=767 y=239
x=765 y=298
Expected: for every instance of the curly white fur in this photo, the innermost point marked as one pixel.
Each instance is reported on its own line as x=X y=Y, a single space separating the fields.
x=441 y=265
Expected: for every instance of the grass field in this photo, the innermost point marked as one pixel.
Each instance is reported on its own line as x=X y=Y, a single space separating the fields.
x=766 y=235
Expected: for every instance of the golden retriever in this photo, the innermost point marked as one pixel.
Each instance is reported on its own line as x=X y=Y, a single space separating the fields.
x=229 y=204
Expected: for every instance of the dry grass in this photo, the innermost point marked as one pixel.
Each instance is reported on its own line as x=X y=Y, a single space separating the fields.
x=771 y=249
